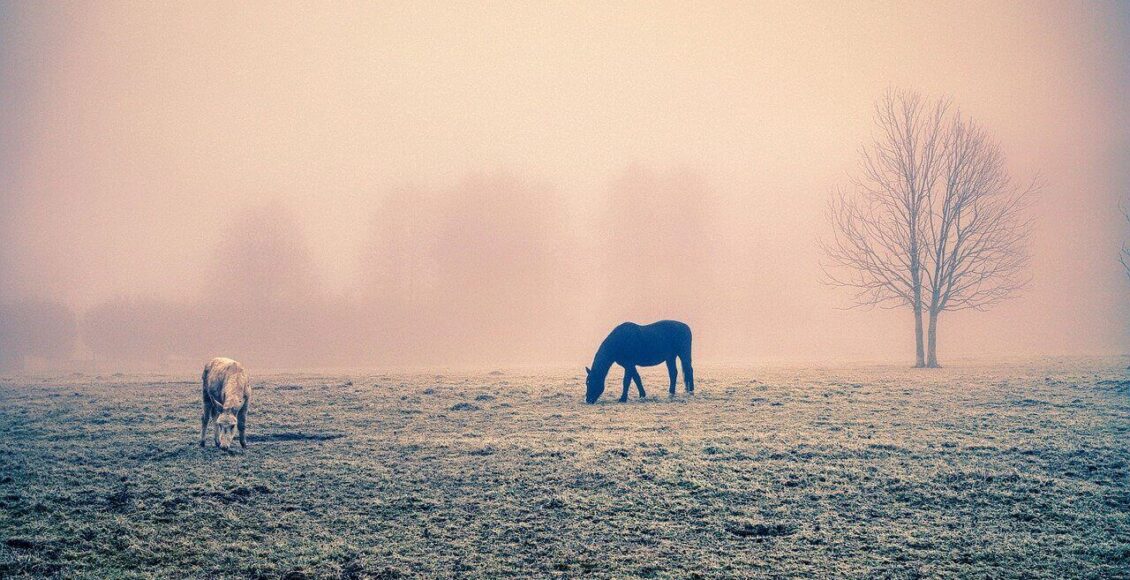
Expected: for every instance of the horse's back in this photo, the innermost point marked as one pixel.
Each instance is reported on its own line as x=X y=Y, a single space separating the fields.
x=649 y=344
x=666 y=335
x=668 y=327
x=672 y=328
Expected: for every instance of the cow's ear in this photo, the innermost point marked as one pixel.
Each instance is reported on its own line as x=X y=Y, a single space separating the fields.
x=587 y=371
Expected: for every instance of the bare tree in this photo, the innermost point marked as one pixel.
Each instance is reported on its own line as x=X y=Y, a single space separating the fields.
x=933 y=223
x=877 y=244
x=976 y=235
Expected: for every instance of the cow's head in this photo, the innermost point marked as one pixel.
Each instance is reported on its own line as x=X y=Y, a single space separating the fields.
x=225 y=426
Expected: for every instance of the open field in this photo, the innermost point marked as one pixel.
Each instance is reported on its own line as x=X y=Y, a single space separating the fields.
x=1000 y=470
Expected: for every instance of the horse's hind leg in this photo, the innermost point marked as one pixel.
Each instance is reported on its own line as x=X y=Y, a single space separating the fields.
x=627 y=383
x=639 y=382
x=672 y=372
x=688 y=373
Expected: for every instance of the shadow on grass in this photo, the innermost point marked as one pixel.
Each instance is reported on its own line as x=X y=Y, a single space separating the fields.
x=288 y=437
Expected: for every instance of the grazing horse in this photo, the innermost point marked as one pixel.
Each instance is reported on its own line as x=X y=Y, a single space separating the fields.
x=630 y=345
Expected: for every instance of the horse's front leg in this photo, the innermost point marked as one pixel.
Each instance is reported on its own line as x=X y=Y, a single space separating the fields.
x=627 y=383
x=639 y=382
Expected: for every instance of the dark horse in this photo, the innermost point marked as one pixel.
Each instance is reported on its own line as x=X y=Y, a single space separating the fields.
x=630 y=345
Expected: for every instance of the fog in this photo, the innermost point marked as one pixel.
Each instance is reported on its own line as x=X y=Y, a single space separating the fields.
x=400 y=184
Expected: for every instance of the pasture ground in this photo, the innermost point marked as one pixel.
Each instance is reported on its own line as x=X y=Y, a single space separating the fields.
x=1002 y=470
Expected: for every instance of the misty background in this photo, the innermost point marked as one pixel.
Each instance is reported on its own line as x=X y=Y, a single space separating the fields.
x=484 y=185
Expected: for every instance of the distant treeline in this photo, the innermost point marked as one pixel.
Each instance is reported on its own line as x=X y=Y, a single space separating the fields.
x=487 y=272
x=36 y=328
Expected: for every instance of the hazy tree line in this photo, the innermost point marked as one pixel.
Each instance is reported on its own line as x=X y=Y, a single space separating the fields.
x=494 y=270
x=487 y=271
x=37 y=328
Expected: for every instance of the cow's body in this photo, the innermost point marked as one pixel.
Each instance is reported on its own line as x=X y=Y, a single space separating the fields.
x=227 y=393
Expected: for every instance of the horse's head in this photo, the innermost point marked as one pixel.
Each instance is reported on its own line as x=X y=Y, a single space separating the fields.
x=594 y=387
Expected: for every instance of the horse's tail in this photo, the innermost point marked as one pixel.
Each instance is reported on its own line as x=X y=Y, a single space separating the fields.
x=688 y=368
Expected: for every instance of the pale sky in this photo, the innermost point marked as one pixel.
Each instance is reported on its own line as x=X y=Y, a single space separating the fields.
x=133 y=134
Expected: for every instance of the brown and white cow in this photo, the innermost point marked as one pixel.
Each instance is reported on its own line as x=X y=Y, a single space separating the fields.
x=227 y=392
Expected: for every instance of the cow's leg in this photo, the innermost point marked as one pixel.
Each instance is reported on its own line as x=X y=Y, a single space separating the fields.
x=204 y=420
x=216 y=431
x=242 y=424
x=688 y=373
x=673 y=373
x=627 y=383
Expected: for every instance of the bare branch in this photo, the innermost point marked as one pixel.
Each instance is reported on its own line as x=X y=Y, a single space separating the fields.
x=877 y=241
x=978 y=245
x=1125 y=256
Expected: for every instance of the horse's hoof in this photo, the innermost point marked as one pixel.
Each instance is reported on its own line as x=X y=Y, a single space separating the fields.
x=624 y=400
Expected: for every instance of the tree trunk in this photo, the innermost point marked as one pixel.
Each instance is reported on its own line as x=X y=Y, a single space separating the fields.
x=919 y=358
x=919 y=361
x=932 y=356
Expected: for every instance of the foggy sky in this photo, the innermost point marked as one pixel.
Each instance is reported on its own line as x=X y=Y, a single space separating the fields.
x=505 y=182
